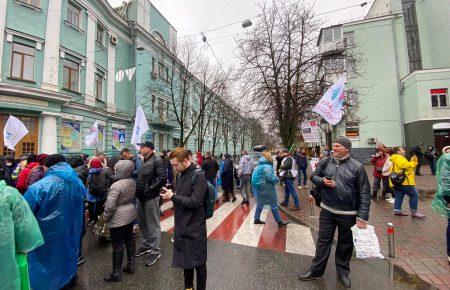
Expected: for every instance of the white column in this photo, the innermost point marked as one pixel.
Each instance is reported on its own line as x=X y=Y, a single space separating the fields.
x=49 y=136
x=110 y=99
x=50 y=79
x=2 y=29
x=90 y=59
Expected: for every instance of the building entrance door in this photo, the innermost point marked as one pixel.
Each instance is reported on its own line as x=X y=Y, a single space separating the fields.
x=441 y=139
x=29 y=143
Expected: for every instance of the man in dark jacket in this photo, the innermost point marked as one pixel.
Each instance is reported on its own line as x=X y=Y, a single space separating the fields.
x=190 y=243
x=345 y=193
x=288 y=175
x=128 y=155
x=210 y=168
x=151 y=179
x=302 y=163
x=417 y=150
x=431 y=156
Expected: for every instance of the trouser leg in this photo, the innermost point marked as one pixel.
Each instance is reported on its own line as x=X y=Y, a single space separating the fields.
x=276 y=213
x=153 y=225
x=344 y=247
x=327 y=227
x=142 y=221
x=258 y=212
x=188 y=278
x=399 y=196
x=201 y=272
x=413 y=198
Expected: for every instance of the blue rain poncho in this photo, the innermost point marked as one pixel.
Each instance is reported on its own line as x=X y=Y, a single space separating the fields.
x=19 y=233
x=263 y=183
x=57 y=201
x=441 y=201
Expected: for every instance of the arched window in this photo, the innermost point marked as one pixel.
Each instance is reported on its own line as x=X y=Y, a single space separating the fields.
x=159 y=37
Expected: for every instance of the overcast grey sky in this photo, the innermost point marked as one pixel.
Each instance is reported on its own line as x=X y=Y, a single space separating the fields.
x=192 y=16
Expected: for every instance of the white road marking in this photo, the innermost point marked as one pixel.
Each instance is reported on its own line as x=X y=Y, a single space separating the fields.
x=220 y=215
x=249 y=233
x=299 y=240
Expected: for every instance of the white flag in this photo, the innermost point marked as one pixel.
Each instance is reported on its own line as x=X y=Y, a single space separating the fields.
x=14 y=131
x=92 y=138
x=330 y=105
x=140 y=127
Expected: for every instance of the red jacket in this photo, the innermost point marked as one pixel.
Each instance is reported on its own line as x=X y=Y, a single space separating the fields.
x=378 y=162
x=22 y=179
x=199 y=159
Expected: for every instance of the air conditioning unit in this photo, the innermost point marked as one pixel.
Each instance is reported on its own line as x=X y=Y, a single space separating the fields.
x=373 y=140
x=154 y=75
x=113 y=39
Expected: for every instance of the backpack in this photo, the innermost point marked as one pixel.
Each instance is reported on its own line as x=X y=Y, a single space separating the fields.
x=95 y=184
x=209 y=202
x=387 y=167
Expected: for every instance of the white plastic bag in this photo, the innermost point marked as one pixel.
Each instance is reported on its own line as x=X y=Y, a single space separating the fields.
x=366 y=243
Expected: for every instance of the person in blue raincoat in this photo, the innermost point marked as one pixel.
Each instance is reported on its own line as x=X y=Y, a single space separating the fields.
x=57 y=201
x=264 y=181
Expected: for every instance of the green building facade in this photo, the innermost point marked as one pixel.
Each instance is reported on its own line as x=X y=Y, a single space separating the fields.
x=65 y=64
x=401 y=75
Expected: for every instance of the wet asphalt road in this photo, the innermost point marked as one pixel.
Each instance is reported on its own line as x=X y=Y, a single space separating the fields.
x=230 y=266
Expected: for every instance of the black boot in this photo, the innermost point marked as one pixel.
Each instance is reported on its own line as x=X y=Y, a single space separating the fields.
x=283 y=223
x=116 y=274
x=374 y=195
x=131 y=249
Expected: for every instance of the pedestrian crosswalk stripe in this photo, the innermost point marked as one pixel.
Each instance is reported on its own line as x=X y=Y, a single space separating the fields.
x=167 y=224
x=233 y=222
x=220 y=214
x=249 y=233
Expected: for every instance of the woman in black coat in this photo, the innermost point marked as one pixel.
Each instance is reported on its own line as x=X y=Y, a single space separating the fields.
x=190 y=240
x=228 y=178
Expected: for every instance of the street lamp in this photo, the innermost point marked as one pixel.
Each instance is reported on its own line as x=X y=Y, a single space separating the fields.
x=246 y=23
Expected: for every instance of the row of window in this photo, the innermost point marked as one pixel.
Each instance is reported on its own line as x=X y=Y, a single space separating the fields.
x=74 y=18
x=23 y=63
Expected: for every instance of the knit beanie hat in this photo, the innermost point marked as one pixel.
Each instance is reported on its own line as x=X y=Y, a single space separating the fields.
x=344 y=141
x=54 y=159
x=96 y=163
x=42 y=158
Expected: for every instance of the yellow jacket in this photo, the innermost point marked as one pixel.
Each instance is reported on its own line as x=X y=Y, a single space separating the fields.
x=400 y=163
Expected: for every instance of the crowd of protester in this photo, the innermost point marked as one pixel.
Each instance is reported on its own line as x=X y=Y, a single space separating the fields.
x=122 y=194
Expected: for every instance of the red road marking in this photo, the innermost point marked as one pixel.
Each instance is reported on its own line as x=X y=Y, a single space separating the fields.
x=231 y=224
x=272 y=237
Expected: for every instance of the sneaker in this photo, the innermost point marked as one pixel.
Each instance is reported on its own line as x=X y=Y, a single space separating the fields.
x=306 y=187
x=172 y=239
x=299 y=187
x=390 y=200
x=417 y=215
x=258 y=222
x=80 y=260
x=400 y=213
x=152 y=259
x=283 y=204
x=142 y=251
x=90 y=222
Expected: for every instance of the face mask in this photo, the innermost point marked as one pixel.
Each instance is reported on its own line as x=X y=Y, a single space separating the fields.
x=8 y=164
